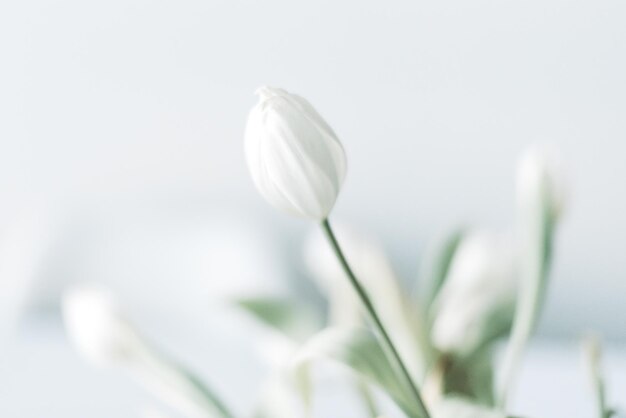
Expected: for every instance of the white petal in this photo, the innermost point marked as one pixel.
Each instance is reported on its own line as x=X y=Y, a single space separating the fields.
x=478 y=293
x=96 y=327
x=295 y=159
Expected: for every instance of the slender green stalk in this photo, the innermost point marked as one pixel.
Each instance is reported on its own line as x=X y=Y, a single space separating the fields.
x=392 y=352
x=213 y=402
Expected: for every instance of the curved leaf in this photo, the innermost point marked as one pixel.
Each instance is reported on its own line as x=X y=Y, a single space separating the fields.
x=435 y=269
x=359 y=350
x=291 y=318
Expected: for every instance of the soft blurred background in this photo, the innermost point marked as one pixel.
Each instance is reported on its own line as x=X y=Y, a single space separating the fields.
x=121 y=163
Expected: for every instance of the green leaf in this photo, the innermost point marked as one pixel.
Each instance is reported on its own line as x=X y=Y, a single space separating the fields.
x=539 y=229
x=295 y=320
x=176 y=385
x=436 y=267
x=359 y=350
x=540 y=191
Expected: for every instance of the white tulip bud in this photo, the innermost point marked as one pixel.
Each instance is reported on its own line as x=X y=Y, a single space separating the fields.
x=540 y=180
x=541 y=192
x=477 y=299
x=96 y=327
x=105 y=338
x=296 y=160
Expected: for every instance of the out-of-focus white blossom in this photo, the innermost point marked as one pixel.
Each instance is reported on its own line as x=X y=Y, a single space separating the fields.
x=541 y=182
x=103 y=336
x=97 y=328
x=296 y=160
x=541 y=194
x=477 y=298
x=371 y=266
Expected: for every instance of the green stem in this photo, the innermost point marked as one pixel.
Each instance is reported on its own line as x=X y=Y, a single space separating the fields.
x=375 y=319
x=212 y=401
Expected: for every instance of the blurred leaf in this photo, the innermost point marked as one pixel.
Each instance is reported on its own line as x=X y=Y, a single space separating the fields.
x=541 y=191
x=358 y=349
x=177 y=386
x=213 y=402
x=436 y=267
x=293 y=319
x=536 y=260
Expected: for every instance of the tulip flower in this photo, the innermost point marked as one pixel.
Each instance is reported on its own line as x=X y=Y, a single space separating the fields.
x=541 y=195
x=97 y=329
x=102 y=334
x=296 y=160
x=298 y=165
x=541 y=185
x=477 y=299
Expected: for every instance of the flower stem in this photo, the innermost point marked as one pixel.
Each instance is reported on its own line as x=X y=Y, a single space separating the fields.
x=375 y=319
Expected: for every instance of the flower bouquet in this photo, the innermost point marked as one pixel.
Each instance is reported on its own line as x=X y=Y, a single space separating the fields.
x=424 y=354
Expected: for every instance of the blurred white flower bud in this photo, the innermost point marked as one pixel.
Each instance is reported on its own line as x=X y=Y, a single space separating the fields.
x=104 y=337
x=96 y=327
x=541 y=193
x=540 y=180
x=476 y=301
x=296 y=160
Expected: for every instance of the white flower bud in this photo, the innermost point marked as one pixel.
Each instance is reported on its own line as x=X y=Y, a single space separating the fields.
x=540 y=181
x=477 y=299
x=104 y=337
x=296 y=160
x=96 y=327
